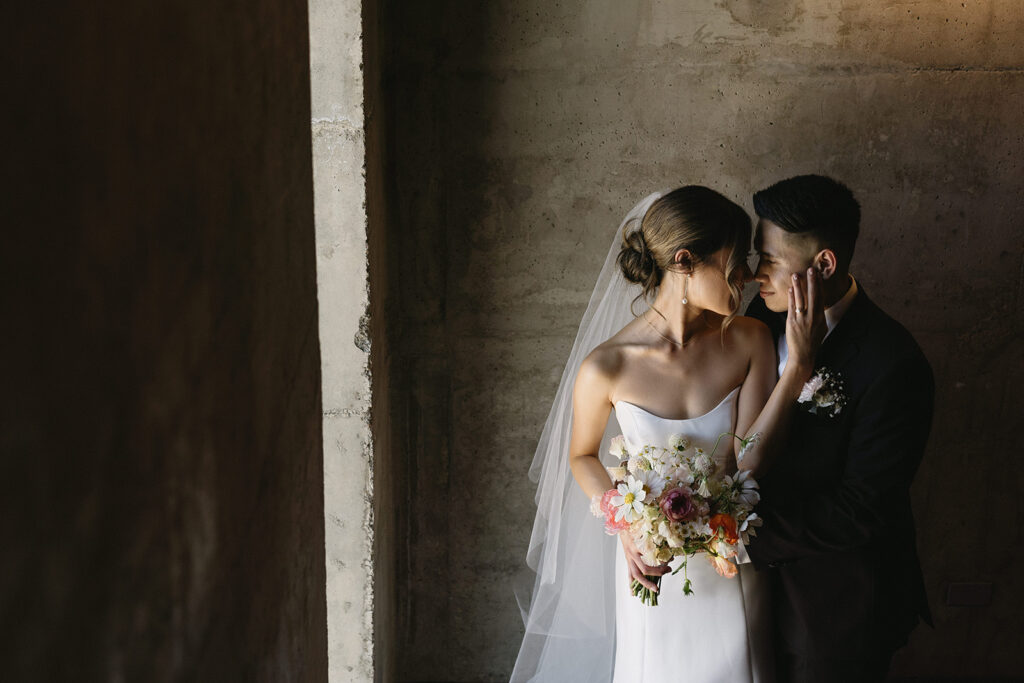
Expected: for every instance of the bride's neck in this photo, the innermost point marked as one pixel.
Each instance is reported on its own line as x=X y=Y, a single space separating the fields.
x=680 y=320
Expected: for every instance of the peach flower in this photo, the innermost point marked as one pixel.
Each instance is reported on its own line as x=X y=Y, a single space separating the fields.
x=723 y=566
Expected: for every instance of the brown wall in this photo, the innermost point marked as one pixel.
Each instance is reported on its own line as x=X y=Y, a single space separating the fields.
x=523 y=131
x=162 y=464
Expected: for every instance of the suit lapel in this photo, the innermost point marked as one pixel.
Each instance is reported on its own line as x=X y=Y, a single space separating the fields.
x=844 y=343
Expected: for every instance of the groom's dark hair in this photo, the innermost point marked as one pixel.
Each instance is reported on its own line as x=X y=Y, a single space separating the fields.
x=817 y=206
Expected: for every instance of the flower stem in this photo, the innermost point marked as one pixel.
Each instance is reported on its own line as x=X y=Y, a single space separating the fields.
x=646 y=595
x=724 y=434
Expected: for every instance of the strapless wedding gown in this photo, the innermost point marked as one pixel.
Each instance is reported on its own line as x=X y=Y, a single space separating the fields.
x=722 y=633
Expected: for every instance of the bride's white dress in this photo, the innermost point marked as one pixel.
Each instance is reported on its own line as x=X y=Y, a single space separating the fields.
x=722 y=633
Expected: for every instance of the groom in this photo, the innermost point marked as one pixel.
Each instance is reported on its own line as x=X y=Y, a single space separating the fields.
x=838 y=534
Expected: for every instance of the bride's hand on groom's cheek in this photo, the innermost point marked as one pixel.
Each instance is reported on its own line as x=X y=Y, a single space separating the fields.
x=638 y=570
x=805 y=324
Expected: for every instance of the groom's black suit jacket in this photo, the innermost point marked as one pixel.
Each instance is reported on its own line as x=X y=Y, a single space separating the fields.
x=838 y=529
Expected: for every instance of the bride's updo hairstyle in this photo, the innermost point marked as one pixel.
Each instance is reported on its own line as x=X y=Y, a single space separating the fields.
x=694 y=218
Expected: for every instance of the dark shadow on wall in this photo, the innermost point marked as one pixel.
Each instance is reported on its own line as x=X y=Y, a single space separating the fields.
x=428 y=108
x=160 y=424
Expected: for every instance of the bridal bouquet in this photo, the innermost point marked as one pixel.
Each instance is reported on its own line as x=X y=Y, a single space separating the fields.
x=673 y=500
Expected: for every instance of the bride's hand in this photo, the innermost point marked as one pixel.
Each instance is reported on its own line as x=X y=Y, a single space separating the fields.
x=805 y=324
x=636 y=566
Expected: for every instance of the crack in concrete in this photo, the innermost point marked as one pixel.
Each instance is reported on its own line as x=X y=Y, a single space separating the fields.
x=337 y=121
x=347 y=412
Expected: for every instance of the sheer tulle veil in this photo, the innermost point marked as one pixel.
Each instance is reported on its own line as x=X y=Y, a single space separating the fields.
x=570 y=614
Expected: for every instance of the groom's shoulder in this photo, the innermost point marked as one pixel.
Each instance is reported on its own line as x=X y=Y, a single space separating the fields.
x=886 y=337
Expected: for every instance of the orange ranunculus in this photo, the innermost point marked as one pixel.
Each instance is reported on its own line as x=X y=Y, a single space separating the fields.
x=723 y=566
x=725 y=524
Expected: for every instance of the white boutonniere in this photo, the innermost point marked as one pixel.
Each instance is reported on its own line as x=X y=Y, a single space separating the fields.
x=824 y=393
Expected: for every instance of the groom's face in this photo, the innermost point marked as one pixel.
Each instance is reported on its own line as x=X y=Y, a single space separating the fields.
x=780 y=254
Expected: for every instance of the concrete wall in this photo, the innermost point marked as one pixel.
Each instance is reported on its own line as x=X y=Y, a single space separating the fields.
x=161 y=418
x=522 y=131
x=339 y=151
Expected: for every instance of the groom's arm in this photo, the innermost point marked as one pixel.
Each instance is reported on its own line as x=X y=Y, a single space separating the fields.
x=886 y=444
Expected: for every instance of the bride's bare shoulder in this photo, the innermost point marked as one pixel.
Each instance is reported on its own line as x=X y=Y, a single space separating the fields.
x=607 y=358
x=749 y=334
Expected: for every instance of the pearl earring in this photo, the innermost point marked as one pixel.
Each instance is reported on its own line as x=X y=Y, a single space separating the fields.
x=686 y=288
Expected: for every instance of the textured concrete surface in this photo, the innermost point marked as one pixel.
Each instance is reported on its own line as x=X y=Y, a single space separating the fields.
x=522 y=131
x=161 y=419
x=342 y=287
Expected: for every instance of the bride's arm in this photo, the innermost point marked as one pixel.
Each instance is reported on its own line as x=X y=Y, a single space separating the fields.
x=591 y=406
x=756 y=389
x=804 y=334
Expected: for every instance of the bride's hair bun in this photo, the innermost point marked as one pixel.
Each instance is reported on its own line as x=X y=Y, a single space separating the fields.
x=692 y=218
x=636 y=260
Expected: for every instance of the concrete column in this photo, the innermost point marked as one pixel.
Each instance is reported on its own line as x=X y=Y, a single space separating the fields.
x=341 y=223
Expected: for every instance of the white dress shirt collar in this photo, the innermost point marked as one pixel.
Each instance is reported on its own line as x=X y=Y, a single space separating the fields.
x=835 y=312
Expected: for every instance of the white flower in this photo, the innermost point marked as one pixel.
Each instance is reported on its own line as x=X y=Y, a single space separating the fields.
x=617 y=473
x=724 y=549
x=629 y=504
x=824 y=390
x=703 y=488
x=698 y=528
x=638 y=463
x=653 y=483
x=810 y=388
x=747 y=444
x=618 y=447
x=679 y=473
x=664 y=554
x=663 y=469
x=703 y=464
x=746 y=489
x=678 y=443
x=748 y=526
x=670 y=532
x=648 y=549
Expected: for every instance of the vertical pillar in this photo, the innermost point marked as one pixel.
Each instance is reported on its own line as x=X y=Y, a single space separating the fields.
x=342 y=262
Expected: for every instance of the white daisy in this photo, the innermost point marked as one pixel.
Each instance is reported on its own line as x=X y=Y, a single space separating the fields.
x=653 y=483
x=629 y=504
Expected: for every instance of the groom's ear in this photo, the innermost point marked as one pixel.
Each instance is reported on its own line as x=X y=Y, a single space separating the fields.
x=825 y=263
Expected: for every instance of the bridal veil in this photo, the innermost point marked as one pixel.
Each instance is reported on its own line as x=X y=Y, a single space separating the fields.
x=570 y=615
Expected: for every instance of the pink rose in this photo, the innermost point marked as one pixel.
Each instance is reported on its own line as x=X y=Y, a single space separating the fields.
x=678 y=504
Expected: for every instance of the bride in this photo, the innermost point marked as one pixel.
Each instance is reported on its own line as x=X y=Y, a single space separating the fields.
x=686 y=364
